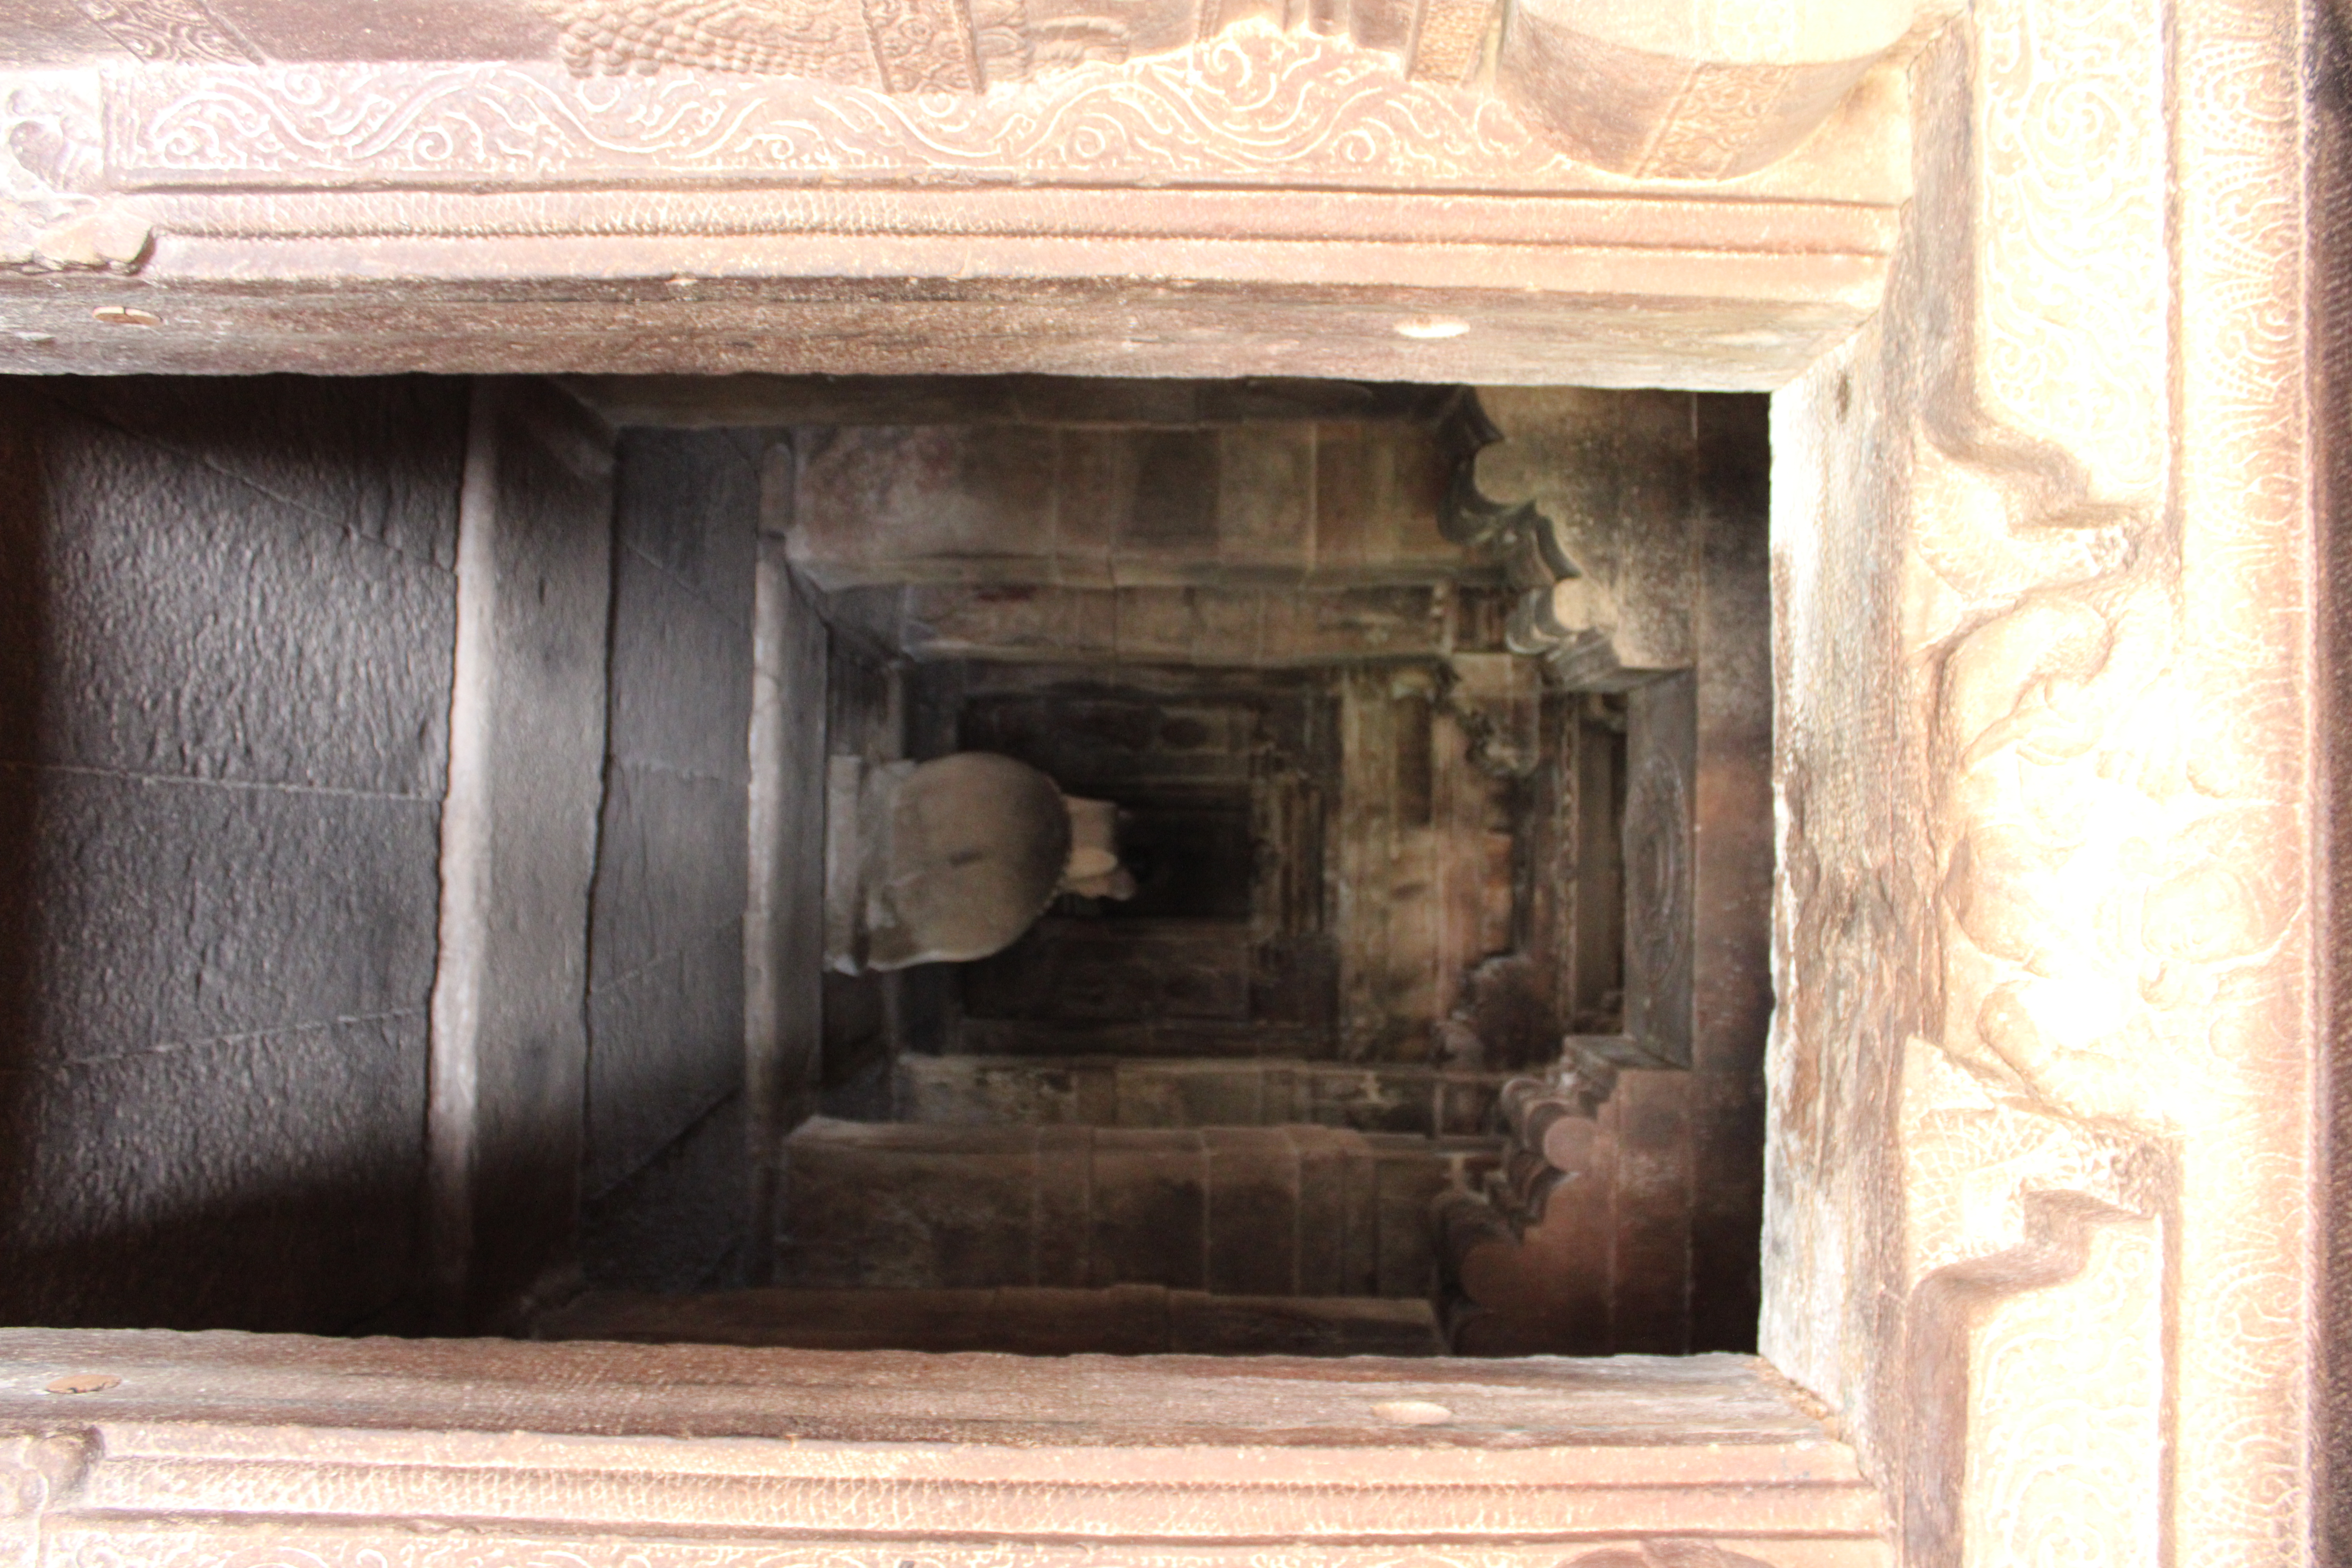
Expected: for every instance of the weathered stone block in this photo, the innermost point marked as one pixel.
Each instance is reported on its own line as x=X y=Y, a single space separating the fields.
x=671 y=866
x=1150 y=1208
x=902 y=1206
x=1326 y=1214
x=1200 y=1323
x=665 y=1046
x=1266 y=499
x=676 y=1222
x=681 y=678
x=266 y=1181
x=1379 y=494
x=1065 y=1205
x=1252 y=1211
x=1408 y=1182
x=174 y=913
x=168 y=617
x=685 y=501
x=872 y=499
x=379 y=457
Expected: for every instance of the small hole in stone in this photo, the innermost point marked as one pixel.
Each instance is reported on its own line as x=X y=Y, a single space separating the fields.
x=85 y=1383
x=1425 y=328
x=1412 y=1413
x=1844 y=393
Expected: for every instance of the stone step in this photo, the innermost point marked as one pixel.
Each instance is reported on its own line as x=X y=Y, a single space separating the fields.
x=1122 y=1320
x=1240 y=1211
x=1126 y=1091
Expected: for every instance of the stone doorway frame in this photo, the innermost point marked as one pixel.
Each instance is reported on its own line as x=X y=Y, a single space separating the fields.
x=2056 y=921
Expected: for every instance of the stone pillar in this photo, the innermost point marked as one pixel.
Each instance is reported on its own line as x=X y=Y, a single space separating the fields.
x=784 y=922
x=518 y=852
x=2042 y=1057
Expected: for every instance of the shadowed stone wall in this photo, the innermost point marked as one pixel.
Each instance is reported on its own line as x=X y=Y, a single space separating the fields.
x=665 y=1179
x=226 y=612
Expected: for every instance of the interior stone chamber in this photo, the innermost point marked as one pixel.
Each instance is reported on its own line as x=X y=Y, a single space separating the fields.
x=1185 y=850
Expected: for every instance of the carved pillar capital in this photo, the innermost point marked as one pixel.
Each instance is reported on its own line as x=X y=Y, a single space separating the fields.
x=1693 y=91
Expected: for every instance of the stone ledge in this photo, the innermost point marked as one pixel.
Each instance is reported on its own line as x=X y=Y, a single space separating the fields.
x=338 y=1449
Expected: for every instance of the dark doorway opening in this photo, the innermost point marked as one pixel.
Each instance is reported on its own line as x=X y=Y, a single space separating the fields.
x=1433 y=1017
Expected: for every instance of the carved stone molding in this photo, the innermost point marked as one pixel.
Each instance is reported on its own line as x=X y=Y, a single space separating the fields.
x=2036 y=1381
x=304 y=215
x=1255 y=104
x=1532 y=1110
x=1720 y=97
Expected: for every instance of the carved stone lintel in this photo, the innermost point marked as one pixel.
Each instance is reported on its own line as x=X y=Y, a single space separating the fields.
x=1255 y=104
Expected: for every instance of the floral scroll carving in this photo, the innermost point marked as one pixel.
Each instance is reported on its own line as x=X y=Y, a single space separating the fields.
x=1255 y=104
x=1678 y=118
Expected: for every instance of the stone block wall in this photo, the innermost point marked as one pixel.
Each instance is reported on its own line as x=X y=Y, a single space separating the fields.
x=1251 y=1211
x=664 y=1179
x=1104 y=508
x=227 y=614
x=1111 y=1091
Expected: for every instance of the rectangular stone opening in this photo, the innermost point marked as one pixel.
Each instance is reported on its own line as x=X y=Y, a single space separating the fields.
x=451 y=815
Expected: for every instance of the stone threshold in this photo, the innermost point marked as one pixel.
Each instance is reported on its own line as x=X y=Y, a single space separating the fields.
x=192 y=1448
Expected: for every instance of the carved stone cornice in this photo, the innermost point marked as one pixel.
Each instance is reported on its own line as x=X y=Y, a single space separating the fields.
x=1255 y=104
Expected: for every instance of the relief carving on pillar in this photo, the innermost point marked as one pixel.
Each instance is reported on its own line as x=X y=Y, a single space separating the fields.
x=2088 y=1137
x=37 y=1474
x=49 y=162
